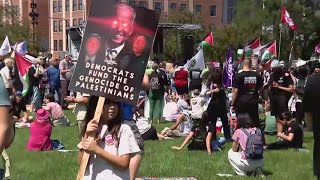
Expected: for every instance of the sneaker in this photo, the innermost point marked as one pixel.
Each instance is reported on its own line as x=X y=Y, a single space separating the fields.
x=259 y=172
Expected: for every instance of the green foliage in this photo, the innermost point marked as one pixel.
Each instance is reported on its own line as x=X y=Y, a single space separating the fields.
x=171 y=44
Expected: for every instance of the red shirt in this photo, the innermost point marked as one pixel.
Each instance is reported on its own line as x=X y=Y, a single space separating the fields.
x=40 y=134
x=181 y=77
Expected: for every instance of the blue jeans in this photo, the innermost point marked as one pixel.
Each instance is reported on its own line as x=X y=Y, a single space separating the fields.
x=55 y=89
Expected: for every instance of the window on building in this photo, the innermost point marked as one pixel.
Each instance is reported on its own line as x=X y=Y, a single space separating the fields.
x=67 y=23
x=60 y=45
x=17 y=10
x=55 y=45
x=74 y=5
x=198 y=9
x=54 y=6
x=80 y=21
x=75 y=22
x=80 y=4
x=132 y=3
x=67 y=5
x=230 y=3
x=183 y=7
x=158 y=7
x=59 y=6
x=142 y=3
x=173 y=6
x=213 y=10
x=60 y=25
x=55 y=26
x=230 y=15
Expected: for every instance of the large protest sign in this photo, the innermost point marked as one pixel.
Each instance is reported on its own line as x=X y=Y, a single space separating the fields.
x=114 y=51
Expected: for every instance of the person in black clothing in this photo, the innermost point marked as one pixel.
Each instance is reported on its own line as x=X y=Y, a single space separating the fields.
x=18 y=106
x=294 y=137
x=281 y=89
x=310 y=104
x=217 y=106
x=245 y=96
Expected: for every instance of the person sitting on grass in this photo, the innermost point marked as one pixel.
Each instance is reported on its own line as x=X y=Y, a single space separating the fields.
x=198 y=135
x=18 y=106
x=40 y=132
x=57 y=115
x=237 y=155
x=294 y=136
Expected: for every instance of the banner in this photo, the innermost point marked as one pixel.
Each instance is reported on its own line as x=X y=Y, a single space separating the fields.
x=196 y=62
x=115 y=50
x=228 y=72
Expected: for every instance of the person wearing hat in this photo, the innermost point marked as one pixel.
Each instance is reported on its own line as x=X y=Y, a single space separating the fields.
x=311 y=102
x=18 y=106
x=40 y=132
x=35 y=74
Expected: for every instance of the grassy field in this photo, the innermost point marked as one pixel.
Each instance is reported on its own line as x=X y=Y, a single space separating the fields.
x=158 y=161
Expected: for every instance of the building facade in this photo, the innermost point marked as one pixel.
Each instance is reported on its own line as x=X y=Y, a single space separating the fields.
x=22 y=9
x=72 y=13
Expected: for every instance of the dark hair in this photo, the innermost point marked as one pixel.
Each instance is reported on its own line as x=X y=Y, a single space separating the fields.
x=285 y=116
x=50 y=97
x=244 y=121
x=113 y=124
x=215 y=76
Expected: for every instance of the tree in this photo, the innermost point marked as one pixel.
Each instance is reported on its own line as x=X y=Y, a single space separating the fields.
x=171 y=44
x=15 y=28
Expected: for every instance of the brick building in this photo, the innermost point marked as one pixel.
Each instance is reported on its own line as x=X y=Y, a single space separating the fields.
x=22 y=9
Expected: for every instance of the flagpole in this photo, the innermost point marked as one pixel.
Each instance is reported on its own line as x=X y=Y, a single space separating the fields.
x=279 y=50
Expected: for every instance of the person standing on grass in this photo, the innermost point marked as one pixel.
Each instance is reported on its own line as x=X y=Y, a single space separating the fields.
x=311 y=103
x=53 y=74
x=7 y=76
x=115 y=145
x=181 y=80
x=35 y=74
x=65 y=76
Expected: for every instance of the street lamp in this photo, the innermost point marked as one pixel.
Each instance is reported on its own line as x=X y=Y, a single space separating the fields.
x=34 y=17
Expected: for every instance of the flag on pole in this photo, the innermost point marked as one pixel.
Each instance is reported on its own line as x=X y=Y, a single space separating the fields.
x=269 y=52
x=196 y=62
x=21 y=77
x=209 y=39
x=317 y=49
x=5 y=47
x=286 y=19
x=21 y=48
x=228 y=72
x=253 y=47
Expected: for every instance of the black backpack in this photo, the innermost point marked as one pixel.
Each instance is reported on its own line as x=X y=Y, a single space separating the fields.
x=154 y=81
x=254 y=145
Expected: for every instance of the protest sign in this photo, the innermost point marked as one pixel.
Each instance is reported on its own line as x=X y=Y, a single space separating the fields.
x=114 y=51
x=113 y=56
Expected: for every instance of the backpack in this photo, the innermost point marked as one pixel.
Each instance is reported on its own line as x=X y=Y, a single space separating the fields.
x=254 y=146
x=154 y=81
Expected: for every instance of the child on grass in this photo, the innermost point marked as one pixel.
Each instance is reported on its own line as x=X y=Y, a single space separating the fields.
x=56 y=112
x=111 y=151
x=294 y=137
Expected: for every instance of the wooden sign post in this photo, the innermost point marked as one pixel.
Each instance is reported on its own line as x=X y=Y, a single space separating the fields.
x=86 y=156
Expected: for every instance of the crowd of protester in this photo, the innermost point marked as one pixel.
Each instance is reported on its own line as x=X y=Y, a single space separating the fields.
x=201 y=108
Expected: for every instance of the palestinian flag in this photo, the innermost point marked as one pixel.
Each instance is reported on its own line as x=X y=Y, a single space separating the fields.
x=239 y=54
x=208 y=39
x=253 y=47
x=269 y=52
x=21 y=79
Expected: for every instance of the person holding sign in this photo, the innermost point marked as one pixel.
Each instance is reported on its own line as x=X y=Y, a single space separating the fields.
x=115 y=144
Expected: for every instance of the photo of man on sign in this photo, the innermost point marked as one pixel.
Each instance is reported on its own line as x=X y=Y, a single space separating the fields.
x=115 y=49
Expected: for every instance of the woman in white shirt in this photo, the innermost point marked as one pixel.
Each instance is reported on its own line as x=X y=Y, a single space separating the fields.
x=111 y=151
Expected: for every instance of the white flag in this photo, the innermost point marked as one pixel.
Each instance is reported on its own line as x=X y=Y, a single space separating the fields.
x=5 y=47
x=196 y=62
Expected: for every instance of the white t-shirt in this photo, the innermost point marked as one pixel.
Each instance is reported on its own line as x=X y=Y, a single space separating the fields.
x=5 y=73
x=81 y=108
x=100 y=169
x=143 y=125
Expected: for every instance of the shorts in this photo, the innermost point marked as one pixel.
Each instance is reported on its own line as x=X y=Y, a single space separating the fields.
x=278 y=105
x=265 y=93
x=151 y=134
x=182 y=90
x=136 y=133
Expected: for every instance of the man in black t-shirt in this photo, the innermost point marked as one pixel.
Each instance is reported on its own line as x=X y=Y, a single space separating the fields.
x=245 y=96
x=281 y=89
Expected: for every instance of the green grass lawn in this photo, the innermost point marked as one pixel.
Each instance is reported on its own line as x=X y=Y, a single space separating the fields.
x=158 y=160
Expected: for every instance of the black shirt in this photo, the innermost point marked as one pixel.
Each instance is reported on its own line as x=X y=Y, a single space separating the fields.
x=248 y=84
x=18 y=107
x=311 y=96
x=34 y=81
x=218 y=100
x=297 y=140
x=284 y=81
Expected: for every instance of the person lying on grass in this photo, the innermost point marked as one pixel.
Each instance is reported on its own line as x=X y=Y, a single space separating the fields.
x=198 y=137
x=294 y=136
x=112 y=149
